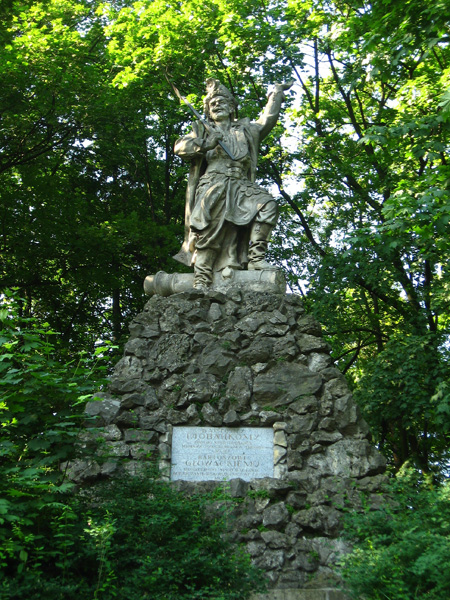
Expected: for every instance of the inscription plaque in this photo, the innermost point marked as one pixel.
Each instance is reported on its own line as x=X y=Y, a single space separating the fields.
x=221 y=453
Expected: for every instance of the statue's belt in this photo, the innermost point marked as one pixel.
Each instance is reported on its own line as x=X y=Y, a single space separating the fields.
x=231 y=169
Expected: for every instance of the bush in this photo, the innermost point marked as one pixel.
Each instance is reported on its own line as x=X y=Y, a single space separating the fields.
x=137 y=539
x=42 y=398
x=402 y=551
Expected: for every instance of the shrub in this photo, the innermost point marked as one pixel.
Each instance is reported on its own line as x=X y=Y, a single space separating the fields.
x=402 y=551
x=41 y=403
x=136 y=539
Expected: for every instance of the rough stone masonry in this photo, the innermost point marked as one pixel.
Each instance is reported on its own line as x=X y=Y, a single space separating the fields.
x=255 y=360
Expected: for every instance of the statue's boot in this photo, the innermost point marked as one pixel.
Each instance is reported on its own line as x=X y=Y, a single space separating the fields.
x=259 y=240
x=203 y=268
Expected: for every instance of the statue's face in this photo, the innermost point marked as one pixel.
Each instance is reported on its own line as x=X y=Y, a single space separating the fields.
x=220 y=108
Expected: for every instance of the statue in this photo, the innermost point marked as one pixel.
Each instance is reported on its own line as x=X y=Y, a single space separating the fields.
x=229 y=218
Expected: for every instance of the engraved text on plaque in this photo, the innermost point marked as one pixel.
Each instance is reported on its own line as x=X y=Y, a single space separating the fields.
x=221 y=453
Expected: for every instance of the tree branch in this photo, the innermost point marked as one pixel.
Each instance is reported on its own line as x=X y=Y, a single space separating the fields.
x=295 y=208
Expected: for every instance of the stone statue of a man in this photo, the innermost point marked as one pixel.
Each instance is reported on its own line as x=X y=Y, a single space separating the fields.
x=229 y=218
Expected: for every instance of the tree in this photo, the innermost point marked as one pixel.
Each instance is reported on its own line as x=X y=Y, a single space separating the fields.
x=90 y=201
x=376 y=147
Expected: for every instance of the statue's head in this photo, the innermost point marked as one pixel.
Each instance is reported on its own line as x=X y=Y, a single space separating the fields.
x=215 y=89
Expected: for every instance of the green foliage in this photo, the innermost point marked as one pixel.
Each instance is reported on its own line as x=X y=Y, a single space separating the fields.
x=42 y=398
x=132 y=539
x=402 y=550
x=404 y=397
x=91 y=194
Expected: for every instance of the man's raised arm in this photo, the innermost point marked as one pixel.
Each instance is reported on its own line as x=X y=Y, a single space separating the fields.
x=271 y=112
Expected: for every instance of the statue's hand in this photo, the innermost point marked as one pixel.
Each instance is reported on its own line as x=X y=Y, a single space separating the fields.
x=281 y=87
x=212 y=140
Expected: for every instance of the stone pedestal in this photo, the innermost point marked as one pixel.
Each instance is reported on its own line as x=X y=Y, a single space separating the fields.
x=246 y=361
